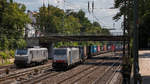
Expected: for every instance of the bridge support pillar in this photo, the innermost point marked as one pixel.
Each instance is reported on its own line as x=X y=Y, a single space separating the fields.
x=50 y=48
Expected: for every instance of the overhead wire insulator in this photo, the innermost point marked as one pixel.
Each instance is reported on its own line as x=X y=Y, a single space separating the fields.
x=43 y=4
x=89 y=7
x=48 y=7
x=92 y=6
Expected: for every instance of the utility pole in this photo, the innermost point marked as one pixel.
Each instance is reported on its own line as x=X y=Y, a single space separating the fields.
x=135 y=41
x=124 y=28
x=128 y=28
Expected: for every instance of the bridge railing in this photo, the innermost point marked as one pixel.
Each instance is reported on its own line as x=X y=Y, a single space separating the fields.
x=81 y=34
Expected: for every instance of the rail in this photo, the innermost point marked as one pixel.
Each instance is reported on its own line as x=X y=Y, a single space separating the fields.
x=86 y=72
x=113 y=74
x=106 y=70
x=19 y=73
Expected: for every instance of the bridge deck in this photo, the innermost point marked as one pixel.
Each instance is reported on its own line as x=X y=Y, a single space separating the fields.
x=81 y=38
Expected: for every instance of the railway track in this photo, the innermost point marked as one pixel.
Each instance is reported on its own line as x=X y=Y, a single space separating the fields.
x=39 y=78
x=118 y=68
x=86 y=72
x=11 y=68
x=20 y=75
x=46 y=75
x=4 y=69
x=78 y=76
x=40 y=73
x=107 y=75
x=100 y=69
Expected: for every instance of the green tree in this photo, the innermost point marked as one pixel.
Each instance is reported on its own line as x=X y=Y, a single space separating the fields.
x=49 y=19
x=72 y=25
x=21 y=43
x=54 y=20
x=85 y=23
x=143 y=13
x=13 y=20
x=86 y=26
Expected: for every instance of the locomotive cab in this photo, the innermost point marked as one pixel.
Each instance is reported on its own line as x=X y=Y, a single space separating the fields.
x=60 y=57
x=66 y=57
x=31 y=56
x=21 y=56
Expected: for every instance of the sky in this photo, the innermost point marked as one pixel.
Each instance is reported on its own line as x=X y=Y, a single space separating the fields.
x=102 y=12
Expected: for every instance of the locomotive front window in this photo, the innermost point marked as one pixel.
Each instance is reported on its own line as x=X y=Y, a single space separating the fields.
x=60 y=52
x=21 y=52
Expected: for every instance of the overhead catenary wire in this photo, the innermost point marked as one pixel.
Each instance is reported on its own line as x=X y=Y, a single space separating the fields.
x=73 y=6
x=91 y=10
x=93 y=15
x=103 y=22
x=97 y=19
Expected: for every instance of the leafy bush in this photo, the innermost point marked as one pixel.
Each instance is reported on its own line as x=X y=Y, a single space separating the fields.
x=12 y=53
x=7 y=54
x=4 y=43
x=3 y=55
